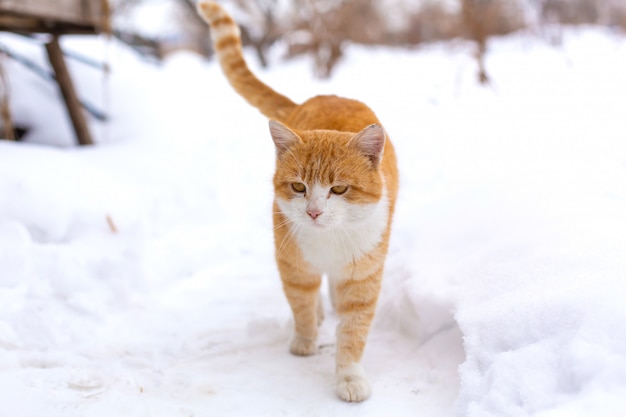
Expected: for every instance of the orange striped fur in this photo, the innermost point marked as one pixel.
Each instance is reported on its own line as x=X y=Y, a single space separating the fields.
x=335 y=185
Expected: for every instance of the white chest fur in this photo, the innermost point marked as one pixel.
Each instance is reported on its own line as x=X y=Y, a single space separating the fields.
x=329 y=248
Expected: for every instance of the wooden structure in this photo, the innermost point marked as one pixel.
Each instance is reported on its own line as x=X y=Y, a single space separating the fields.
x=58 y=17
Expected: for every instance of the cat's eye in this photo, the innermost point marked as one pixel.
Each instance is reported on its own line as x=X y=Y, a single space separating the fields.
x=298 y=187
x=339 y=189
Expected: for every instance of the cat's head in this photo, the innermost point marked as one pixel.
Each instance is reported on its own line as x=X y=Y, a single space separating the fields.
x=327 y=179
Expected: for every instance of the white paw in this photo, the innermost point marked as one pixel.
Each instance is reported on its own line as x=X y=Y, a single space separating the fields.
x=303 y=346
x=353 y=388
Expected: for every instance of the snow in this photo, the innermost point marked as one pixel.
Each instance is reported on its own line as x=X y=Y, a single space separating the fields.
x=137 y=276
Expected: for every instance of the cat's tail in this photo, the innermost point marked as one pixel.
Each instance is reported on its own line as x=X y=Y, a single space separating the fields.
x=227 y=45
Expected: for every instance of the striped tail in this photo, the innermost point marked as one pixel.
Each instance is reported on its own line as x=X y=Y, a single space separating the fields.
x=227 y=45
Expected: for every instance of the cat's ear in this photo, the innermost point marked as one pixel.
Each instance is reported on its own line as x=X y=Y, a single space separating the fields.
x=283 y=137
x=370 y=142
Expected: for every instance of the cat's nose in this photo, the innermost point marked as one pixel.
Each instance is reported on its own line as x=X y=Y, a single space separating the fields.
x=314 y=213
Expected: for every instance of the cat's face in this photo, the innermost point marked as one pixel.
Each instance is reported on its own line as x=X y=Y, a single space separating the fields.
x=327 y=179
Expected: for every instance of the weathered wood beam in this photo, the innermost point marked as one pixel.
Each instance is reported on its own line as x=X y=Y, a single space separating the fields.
x=24 y=23
x=31 y=25
x=6 y=132
x=69 y=94
x=81 y=12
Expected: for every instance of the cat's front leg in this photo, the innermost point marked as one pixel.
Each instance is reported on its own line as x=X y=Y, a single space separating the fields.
x=356 y=305
x=302 y=291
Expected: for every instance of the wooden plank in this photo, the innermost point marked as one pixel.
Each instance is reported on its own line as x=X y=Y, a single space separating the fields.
x=71 y=11
x=7 y=131
x=69 y=94
x=18 y=22
x=33 y=25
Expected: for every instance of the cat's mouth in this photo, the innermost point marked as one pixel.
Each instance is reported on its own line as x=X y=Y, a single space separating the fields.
x=317 y=224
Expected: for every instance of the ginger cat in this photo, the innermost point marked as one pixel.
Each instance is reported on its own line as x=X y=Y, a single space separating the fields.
x=335 y=184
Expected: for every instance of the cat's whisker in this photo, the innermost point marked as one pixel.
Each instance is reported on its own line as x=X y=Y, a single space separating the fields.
x=342 y=229
x=291 y=235
x=283 y=223
x=287 y=213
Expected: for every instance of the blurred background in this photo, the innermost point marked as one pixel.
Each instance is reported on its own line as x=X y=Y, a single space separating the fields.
x=324 y=29
x=277 y=30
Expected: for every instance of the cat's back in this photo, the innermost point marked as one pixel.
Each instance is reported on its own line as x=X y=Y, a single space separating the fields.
x=331 y=112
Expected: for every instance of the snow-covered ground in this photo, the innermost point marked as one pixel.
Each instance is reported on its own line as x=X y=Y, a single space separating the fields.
x=137 y=276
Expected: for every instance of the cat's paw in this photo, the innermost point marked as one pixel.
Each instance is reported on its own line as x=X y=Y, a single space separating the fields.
x=353 y=388
x=302 y=346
